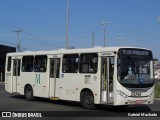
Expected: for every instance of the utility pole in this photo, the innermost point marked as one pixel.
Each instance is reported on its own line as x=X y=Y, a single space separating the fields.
x=104 y=26
x=67 y=15
x=19 y=43
x=92 y=39
x=159 y=19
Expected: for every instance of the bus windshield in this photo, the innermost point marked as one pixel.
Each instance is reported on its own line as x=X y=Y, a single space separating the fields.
x=134 y=68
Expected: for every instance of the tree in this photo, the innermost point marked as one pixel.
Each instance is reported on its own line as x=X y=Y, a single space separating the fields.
x=155 y=59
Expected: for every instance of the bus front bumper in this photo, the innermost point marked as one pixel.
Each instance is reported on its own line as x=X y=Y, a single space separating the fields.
x=133 y=100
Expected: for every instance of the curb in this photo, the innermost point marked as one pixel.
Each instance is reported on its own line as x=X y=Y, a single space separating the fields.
x=157 y=98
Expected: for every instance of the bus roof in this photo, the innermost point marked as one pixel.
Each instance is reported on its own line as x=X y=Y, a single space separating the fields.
x=97 y=49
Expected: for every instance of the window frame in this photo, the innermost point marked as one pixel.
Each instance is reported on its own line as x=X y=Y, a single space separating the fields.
x=38 y=68
x=81 y=63
x=16 y=67
x=9 y=62
x=52 y=68
x=76 y=69
x=32 y=63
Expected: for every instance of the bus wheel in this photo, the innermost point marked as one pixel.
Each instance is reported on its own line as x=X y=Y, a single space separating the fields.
x=29 y=93
x=87 y=100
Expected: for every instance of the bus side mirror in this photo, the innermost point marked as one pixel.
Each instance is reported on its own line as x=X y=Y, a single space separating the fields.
x=118 y=62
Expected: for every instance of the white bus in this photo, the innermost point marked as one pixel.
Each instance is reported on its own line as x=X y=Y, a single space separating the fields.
x=115 y=76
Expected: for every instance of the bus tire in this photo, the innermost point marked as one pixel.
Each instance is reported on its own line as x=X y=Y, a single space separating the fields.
x=87 y=100
x=29 y=93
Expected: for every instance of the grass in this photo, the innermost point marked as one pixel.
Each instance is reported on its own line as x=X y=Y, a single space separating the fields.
x=157 y=91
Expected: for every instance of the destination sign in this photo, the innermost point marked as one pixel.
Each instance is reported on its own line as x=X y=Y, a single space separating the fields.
x=134 y=52
x=108 y=54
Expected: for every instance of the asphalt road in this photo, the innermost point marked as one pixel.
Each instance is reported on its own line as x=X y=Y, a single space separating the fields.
x=2 y=87
x=10 y=102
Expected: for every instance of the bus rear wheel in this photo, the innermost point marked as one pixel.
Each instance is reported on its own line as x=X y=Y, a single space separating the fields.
x=87 y=100
x=29 y=93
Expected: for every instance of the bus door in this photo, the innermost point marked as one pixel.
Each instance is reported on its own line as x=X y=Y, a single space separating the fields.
x=54 y=75
x=16 y=75
x=107 y=70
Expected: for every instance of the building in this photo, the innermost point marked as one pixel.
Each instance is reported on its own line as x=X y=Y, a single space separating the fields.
x=3 y=51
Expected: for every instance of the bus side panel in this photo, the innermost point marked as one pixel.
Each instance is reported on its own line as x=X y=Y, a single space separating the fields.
x=8 y=78
x=38 y=81
x=67 y=86
x=71 y=85
x=8 y=82
x=41 y=84
x=91 y=82
x=26 y=79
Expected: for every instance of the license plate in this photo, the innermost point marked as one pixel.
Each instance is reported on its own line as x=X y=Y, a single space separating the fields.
x=139 y=101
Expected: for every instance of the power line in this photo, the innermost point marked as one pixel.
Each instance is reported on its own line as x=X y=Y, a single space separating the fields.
x=12 y=27
x=40 y=40
x=30 y=36
x=8 y=42
x=8 y=25
x=81 y=37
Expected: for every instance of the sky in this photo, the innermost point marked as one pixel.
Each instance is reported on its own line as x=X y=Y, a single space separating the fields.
x=44 y=23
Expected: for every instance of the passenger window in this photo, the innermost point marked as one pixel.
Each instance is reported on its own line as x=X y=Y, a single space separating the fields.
x=40 y=64
x=70 y=63
x=16 y=67
x=9 y=64
x=54 y=68
x=27 y=63
x=88 y=63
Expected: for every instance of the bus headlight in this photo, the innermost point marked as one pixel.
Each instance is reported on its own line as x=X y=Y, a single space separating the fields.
x=151 y=94
x=121 y=93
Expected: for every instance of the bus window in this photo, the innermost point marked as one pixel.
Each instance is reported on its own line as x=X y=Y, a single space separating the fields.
x=111 y=68
x=27 y=63
x=19 y=66
x=9 y=64
x=70 y=63
x=88 y=63
x=16 y=67
x=54 y=62
x=40 y=64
